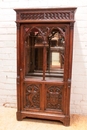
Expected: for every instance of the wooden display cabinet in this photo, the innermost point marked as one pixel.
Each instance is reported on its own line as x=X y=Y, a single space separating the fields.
x=44 y=63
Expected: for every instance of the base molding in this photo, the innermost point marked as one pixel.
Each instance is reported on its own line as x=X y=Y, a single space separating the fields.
x=56 y=117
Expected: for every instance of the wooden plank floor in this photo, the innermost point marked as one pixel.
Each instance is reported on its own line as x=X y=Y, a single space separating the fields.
x=8 y=122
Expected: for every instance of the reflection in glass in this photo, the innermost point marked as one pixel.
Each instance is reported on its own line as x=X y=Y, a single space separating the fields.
x=54 y=58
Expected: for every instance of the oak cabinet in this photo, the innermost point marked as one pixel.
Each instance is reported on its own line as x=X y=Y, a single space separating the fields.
x=44 y=63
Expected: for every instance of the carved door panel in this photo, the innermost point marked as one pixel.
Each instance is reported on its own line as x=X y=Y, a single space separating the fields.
x=43 y=97
x=32 y=96
x=54 y=98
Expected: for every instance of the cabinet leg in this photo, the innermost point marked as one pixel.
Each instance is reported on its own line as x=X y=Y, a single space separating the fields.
x=66 y=121
x=19 y=116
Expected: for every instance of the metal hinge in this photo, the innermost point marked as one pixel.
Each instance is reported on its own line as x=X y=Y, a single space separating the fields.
x=69 y=80
x=69 y=83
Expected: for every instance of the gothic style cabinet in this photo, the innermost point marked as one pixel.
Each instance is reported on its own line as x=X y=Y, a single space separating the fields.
x=44 y=62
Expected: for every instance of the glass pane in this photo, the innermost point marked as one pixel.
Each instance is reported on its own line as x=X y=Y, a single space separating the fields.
x=55 y=57
x=34 y=54
x=55 y=60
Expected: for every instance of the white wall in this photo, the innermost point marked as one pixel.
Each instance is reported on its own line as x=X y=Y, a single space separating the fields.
x=8 y=50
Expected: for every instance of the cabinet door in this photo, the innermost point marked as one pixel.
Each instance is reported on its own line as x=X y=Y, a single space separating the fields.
x=45 y=59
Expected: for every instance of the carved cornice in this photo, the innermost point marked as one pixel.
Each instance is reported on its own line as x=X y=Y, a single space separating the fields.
x=45 y=16
x=63 y=14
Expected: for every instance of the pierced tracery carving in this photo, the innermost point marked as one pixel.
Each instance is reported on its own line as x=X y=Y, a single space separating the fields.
x=54 y=97
x=32 y=96
x=43 y=31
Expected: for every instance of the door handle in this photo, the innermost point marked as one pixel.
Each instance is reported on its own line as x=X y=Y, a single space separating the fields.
x=20 y=69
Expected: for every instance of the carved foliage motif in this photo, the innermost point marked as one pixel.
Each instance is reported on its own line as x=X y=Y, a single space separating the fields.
x=33 y=96
x=45 y=16
x=54 y=97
